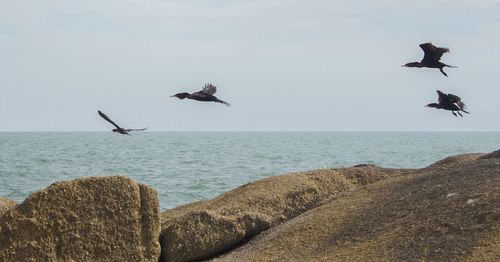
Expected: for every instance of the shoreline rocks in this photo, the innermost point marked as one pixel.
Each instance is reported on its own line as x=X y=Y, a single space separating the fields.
x=6 y=204
x=446 y=211
x=89 y=219
x=206 y=228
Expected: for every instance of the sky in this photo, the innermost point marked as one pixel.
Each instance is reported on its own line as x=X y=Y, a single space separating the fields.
x=312 y=65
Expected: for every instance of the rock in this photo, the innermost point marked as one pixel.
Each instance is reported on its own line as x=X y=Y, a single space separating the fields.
x=204 y=229
x=5 y=204
x=453 y=161
x=495 y=154
x=90 y=219
x=407 y=218
x=451 y=194
x=204 y=233
x=363 y=165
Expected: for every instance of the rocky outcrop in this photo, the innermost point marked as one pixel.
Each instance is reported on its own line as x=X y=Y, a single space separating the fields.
x=495 y=154
x=203 y=229
x=455 y=161
x=91 y=219
x=6 y=204
x=447 y=212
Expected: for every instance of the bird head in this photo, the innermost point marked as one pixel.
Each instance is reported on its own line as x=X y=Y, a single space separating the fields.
x=412 y=64
x=433 y=105
x=181 y=95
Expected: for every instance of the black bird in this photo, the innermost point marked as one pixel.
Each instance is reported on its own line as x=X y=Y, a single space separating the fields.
x=205 y=95
x=118 y=129
x=432 y=54
x=449 y=102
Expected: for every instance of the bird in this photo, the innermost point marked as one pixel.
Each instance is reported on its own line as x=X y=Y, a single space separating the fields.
x=118 y=129
x=449 y=102
x=432 y=55
x=205 y=95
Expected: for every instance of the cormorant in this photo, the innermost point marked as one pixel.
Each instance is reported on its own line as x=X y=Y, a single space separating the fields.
x=205 y=95
x=118 y=129
x=449 y=102
x=432 y=54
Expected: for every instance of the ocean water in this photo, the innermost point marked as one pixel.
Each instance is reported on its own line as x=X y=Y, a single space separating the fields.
x=189 y=166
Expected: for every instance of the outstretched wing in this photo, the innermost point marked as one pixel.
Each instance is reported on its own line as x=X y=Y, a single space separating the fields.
x=108 y=119
x=209 y=89
x=140 y=129
x=454 y=99
x=433 y=53
x=442 y=97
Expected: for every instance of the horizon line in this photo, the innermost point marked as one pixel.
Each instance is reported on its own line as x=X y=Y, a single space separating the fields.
x=241 y=131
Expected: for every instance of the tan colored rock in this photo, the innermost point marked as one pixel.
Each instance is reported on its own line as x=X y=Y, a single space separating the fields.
x=90 y=219
x=206 y=228
x=444 y=213
x=495 y=154
x=6 y=204
x=454 y=161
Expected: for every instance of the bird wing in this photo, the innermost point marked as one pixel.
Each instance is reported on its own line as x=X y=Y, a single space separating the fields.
x=108 y=119
x=140 y=129
x=456 y=100
x=442 y=97
x=439 y=52
x=209 y=89
x=433 y=53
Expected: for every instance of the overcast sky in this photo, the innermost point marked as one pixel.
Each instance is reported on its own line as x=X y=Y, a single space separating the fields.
x=283 y=65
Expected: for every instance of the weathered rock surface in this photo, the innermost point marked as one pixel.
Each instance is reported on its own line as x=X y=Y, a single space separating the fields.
x=455 y=161
x=90 y=219
x=6 y=204
x=203 y=229
x=449 y=211
x=495 y=154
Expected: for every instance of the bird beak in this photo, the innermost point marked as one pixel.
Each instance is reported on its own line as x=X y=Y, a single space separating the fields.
x=172 y=96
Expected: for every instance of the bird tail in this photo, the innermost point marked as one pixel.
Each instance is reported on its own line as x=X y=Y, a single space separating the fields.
x=222 y=102
x=451 y=66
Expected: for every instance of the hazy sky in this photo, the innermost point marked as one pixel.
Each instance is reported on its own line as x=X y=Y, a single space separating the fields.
x=283 y=65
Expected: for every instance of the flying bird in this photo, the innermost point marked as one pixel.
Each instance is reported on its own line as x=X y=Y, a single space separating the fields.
x=449 y=102
x=432 y=55
x=205 y=95
x=118 y=129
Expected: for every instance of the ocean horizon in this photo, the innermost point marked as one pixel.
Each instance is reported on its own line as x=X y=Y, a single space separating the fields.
x=189 y=166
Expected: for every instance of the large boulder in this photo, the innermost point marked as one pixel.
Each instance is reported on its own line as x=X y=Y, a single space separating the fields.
x=203 y=229
x=6 y=204
x=449 y=212
x=90 y=219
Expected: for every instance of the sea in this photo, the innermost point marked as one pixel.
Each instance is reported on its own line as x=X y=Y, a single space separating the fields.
x=188 y=166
